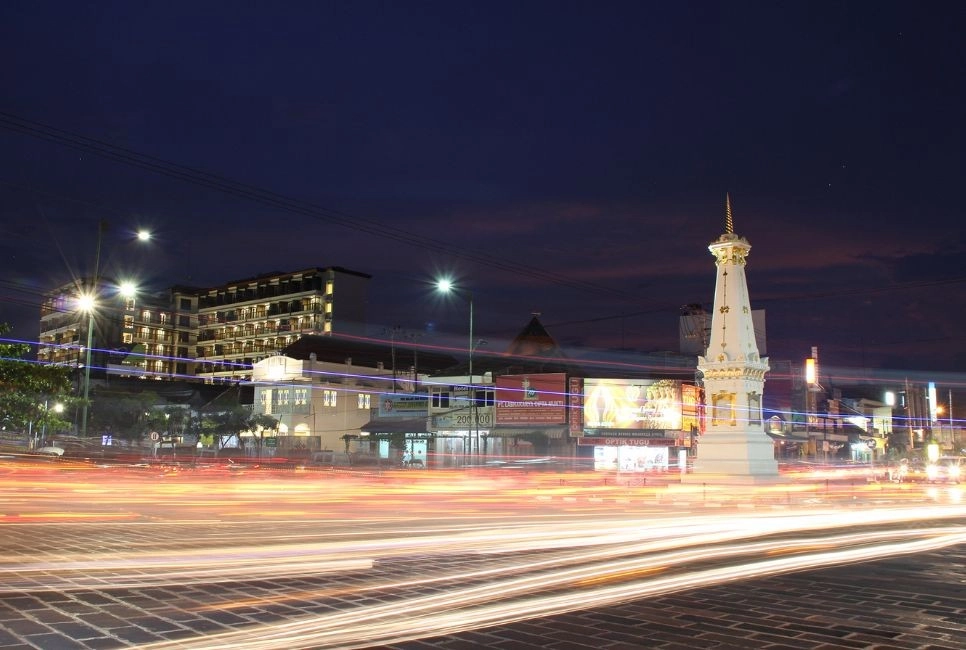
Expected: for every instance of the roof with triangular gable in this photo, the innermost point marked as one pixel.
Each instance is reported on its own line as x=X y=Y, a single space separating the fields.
x=534 y=340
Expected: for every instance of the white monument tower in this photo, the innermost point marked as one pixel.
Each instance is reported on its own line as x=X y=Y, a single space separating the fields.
x=734 y=447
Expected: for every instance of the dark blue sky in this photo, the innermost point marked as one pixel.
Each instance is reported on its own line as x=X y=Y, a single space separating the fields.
x=567 y=158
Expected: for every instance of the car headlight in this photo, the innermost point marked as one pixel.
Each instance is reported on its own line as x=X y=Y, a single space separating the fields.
x=932 y=471
x=954 y=471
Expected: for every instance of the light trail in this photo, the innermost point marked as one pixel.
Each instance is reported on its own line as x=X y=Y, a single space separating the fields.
x=279 y=559
x=501 y=602
x=415 y=554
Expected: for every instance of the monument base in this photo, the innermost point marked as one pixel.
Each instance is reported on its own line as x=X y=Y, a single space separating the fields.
x=735 y=458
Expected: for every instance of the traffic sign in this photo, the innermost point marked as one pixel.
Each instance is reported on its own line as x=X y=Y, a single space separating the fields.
x=870 y=443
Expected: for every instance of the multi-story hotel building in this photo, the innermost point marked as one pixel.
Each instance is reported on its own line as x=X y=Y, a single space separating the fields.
x=242 y=322
x=214 y=334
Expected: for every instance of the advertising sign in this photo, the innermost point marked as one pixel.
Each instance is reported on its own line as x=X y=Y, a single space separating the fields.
x=463 y=419
x=403 y=405
x=632 y=404
x=690 y=406
x=531 y=399
x=576 y=409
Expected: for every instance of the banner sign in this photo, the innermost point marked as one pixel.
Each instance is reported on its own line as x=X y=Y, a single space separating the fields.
x=531 y=399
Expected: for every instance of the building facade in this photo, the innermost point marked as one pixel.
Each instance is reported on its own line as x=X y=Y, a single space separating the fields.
x=213 y=334
x=242 y=322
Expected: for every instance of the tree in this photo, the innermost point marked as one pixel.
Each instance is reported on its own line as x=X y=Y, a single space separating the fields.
x=233 y=420
x=259 y=423
x=129 y=415
x=29 y=390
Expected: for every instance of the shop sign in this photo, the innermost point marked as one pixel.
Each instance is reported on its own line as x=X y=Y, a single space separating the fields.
x=403 y=404
x=627 y=442
x=484 y=418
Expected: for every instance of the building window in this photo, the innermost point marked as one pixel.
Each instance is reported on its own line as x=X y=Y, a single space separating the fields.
x=440 y=400
x=127 y=337
x=128 y=322
x=329 y=397
x=365 y=400
x=301 y=396
x=186 y=303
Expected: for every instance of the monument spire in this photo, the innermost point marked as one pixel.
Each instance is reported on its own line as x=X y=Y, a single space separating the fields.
x=734 y=447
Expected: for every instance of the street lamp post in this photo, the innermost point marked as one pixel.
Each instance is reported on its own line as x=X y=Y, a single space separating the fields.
x=90 y=304
x=446 y=286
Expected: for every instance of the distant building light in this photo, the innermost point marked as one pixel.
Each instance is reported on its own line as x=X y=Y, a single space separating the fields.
x=810 y=377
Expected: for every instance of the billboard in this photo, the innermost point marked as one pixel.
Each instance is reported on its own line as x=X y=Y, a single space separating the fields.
x=632 y=404
x=531 y=399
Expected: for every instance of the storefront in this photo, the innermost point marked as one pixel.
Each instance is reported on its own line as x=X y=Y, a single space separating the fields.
x=531 y=415
x=632 y=451
x=638 y=425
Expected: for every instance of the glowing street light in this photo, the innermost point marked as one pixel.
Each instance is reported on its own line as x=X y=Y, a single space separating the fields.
x=87 y=303
x=446 y=286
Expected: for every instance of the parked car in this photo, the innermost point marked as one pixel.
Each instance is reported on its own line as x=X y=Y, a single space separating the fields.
x=946 y=469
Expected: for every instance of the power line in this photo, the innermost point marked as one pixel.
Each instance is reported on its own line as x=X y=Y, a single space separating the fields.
x=266 y=197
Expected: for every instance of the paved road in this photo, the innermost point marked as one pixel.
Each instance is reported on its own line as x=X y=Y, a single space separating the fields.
x=913 y=602
x=96 y=559
x=907 y=602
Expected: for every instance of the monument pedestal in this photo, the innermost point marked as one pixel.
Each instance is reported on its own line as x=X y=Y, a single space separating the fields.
x=735 y=458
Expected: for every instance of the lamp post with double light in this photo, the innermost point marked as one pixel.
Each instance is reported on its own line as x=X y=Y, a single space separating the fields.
x=87 y=302
x=446 y=286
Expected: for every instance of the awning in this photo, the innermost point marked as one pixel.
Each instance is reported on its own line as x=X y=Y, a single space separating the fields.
x=395 y=425
x=551 y=431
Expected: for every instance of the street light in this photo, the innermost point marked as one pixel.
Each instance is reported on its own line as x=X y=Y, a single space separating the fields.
x=88 y=303
x=446 y=286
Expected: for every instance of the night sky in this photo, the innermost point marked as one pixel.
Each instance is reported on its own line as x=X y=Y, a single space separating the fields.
x=566 y=158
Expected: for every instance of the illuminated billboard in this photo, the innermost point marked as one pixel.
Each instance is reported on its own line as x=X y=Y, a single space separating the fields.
x=632 y=404
x=531 y=399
